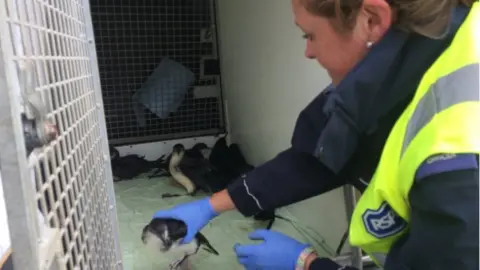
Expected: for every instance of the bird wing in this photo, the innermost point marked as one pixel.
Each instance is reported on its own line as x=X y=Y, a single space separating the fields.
x=197 y=165
x=196 y=170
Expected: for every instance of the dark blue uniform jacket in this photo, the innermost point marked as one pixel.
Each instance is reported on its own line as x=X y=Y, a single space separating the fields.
x=338 y=139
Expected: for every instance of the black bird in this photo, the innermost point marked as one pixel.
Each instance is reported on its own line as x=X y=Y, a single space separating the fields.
x=131 y=166
x=198 y=151
x=190 y=168
x=165 y=235
x=162 y=169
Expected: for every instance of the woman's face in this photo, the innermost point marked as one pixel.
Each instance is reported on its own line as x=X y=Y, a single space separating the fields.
x=338 y=52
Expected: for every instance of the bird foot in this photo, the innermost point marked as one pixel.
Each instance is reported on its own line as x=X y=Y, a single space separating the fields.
x=178 y=263
x=175 y=264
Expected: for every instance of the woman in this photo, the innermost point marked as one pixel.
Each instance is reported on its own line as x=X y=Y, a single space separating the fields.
x=400 y=122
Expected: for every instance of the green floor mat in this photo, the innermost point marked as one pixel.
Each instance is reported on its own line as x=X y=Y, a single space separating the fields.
x=138 y=199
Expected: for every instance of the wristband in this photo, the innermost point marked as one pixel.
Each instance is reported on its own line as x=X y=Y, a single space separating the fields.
x=303 y=257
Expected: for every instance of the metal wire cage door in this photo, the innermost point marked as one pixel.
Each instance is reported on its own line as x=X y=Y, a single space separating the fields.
x=65 y=184
x=159 y=69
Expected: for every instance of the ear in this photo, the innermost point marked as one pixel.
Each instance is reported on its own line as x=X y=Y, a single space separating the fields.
x=377 y=18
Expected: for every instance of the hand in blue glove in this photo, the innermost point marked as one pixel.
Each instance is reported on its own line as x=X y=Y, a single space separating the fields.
x=195 y=214
x=277 y=252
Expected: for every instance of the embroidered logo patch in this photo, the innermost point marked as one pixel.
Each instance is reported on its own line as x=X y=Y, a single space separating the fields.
x=383 y=222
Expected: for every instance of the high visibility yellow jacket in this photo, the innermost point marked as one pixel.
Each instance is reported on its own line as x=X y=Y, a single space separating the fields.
x=443 y=118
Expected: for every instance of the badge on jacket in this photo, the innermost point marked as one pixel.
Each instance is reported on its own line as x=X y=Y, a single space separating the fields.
x=383 y=222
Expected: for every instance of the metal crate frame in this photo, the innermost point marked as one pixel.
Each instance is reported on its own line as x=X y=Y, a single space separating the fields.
x=18 y=189
x=354 y=257
x=20 y=195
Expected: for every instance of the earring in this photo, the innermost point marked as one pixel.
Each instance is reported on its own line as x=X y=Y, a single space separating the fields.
x=369 y=44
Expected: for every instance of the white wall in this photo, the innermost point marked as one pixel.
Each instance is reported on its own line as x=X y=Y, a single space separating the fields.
x=267 y=82
x=4 y=230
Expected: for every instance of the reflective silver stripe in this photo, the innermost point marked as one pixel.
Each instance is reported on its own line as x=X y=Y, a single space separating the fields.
x=380 y=258
x=457 y=87
x=250 y=194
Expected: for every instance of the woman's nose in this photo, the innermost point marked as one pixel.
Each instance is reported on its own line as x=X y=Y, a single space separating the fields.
x=309 y=53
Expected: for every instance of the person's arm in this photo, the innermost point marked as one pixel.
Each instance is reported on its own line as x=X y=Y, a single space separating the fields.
x=311 y=261
x=288 y=178
x=292 y=176
x=444 y=218
x=318 y=263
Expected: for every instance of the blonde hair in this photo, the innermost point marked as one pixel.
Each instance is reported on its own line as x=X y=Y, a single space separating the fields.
x=425 y=17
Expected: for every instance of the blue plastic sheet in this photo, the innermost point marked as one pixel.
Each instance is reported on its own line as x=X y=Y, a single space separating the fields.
x=164 y=90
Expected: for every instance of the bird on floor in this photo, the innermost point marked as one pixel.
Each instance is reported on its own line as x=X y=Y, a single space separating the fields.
x=191 y=169
x=162 y=169
x=199 y=150
x=131 y=166
x=165 y=236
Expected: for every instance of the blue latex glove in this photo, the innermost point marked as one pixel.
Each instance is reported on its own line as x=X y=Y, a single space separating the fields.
x=195 y=214
x=278 y=251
